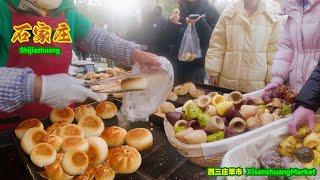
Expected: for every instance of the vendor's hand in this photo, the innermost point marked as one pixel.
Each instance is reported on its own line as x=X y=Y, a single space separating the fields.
x=301 y=116
x=214 y=80
x=271 y=86
x=147 y=61
x=194 y=21
x=175 y=16
x=61 y=90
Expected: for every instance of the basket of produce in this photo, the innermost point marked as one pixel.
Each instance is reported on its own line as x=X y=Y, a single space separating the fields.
x=278 y=150
x=204 y=129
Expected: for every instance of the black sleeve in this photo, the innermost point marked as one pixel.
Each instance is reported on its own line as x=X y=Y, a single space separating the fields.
x=309 y=96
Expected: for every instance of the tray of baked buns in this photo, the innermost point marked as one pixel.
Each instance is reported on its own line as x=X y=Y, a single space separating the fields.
x=88 y=142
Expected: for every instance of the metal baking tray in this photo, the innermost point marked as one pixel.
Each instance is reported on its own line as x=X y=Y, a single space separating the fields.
x=162 y=161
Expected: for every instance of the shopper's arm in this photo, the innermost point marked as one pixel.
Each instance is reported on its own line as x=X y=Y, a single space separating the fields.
x=309 y=96
x=283 y=58
x=272 y=48
x=17 y=87
x=216 y=51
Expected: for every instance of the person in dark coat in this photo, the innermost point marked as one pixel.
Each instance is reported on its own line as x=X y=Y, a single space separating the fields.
x=308 y=102
x=191 y=71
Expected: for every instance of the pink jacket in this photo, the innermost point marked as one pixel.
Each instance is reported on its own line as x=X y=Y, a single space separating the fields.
x=299 y=47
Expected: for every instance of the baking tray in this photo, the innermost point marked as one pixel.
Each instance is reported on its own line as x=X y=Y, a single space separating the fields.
x=206 y=88
x=162 y=161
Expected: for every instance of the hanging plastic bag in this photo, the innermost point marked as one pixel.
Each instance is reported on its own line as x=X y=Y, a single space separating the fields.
x=139 y=105
x=190 y=45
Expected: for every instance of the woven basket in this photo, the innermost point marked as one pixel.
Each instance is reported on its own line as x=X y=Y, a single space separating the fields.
x=195 y=153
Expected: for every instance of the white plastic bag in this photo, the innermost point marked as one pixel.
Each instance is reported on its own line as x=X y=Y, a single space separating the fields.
x=190 y=45
x=138 y=106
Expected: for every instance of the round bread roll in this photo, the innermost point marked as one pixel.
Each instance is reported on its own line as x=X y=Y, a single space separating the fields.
x=124 y=159
x=197 y=93
x=55 y=172
x=32 y=137
x=27 y=124
x=190 y=86
x=71 y=130
x=98 y=150
x=167 y=107
x=139 y=138
x=106 y=110
x=114 y=136
x=181 y=90
x=43 y=154
x=74 y=143
x=84 y=110
x=104 y=172
x=139 y=83
x=55 y=128
x=65 y=114
x=74 y=162
x=91 y=125
x=55 y=141
x=172 y=97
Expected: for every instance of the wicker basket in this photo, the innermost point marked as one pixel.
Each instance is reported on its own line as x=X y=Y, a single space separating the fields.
x=195 y=152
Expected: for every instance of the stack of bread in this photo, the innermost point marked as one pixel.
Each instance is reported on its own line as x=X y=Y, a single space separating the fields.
x=82 y=150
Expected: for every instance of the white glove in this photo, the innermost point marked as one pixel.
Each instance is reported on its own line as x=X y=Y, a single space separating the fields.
x=61 y=90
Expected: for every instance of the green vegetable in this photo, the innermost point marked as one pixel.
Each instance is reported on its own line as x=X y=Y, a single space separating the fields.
x=179 y=129
x=286 y=110
x=193 y=111
x=216 y=136
x=264 y=107
x=203 y=119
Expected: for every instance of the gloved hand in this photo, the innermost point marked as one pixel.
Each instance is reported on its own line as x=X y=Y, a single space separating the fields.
x=271 y=86
x=300 y=116
x=61 y=90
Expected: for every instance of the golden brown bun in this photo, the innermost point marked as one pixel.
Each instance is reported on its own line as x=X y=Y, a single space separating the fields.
x=98 y=150
x=172 y=97
x=55 y=128
x=74 y=162
x=106 y=110
x=55 y=141
x=32 y=137
x=124 y=159
x=55 y=172
x=84 y=110
x=65 y=114
x=91 y=125
x=71 y=130
x=43 y=154
x=167 y=107
x=114 y=136
x=197 y=93
x=27 y=124
x=74 y=143
x=190 y=86
x=139 y=83
x=181 y=90
x=139 y=138
x=104 y=172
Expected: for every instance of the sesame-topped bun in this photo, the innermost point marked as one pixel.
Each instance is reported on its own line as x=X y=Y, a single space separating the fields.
x=84 y=110
x=32 y=137
x=74 y=162
x=139 y=138
x=98 y=150
x=124 y=159
x=65 y=114
x=106 y=110
x=71 y=130
x=43 y=154
x=27 y=124
x=55 y=172
x=56 y=127
x=114 y=136
x=74 y=143
x=91 y=125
